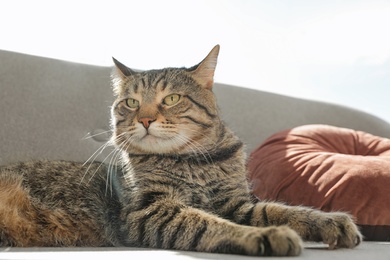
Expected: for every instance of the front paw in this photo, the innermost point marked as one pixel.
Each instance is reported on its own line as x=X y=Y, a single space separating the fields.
x=337 y=230
x=272 y=241
x=269 y=241
x=281 y=241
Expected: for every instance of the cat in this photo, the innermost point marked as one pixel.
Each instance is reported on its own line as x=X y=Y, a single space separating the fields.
x=181 y=182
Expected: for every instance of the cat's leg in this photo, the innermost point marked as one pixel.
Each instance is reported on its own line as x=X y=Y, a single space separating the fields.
x=335 y=229
x=170 y=225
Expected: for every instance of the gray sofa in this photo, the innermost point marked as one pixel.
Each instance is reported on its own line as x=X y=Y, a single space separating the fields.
x=53 y=109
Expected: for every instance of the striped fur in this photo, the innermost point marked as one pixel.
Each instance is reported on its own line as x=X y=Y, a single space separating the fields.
x=183 y=185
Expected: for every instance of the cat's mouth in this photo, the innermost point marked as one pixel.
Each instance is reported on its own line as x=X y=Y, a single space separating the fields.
x=152 y=138
x=148 y=137
x=153 y=134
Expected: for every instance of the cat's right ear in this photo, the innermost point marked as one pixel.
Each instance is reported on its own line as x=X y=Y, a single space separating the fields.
x=120 y=74
x=124 y=70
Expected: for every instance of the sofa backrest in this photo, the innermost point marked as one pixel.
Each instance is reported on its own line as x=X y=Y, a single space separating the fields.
x=255 y=115
x=53 y=109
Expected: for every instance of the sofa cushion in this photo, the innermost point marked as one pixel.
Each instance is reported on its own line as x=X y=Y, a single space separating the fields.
x=329 y=168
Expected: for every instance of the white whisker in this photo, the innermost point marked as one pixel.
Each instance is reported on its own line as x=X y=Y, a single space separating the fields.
x=93 y=158
x=196 y=147
x=114 y=158
x=98 y=152
x=89 y=135
x=198 y=133
x=110 y=169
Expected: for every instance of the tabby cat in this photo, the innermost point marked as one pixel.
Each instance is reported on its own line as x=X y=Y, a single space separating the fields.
x=181 y=182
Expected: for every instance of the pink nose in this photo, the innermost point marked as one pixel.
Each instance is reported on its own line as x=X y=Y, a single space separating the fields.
x=146 y=121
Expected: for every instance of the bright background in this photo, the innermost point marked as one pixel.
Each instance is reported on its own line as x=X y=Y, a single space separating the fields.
x=330 y=50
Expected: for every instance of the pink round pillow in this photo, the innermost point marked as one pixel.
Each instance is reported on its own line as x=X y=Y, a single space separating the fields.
x=329 y=168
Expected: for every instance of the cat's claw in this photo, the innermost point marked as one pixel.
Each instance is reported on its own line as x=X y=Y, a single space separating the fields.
x=339 y=231
x=333 y=245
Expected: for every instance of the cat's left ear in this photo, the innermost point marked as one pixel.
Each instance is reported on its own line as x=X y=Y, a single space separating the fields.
x=204 y=71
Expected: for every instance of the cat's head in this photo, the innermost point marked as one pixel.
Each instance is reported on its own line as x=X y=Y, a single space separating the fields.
x=167 y=111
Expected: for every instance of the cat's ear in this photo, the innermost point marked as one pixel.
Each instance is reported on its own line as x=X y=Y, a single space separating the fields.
x=123 y=70
x=204 y=71
x=119 y=75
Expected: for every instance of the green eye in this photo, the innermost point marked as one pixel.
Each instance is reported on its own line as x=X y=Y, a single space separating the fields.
x=171 y=99
x=132 y=103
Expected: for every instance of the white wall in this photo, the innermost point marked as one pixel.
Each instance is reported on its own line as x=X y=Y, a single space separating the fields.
x=331 y=50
